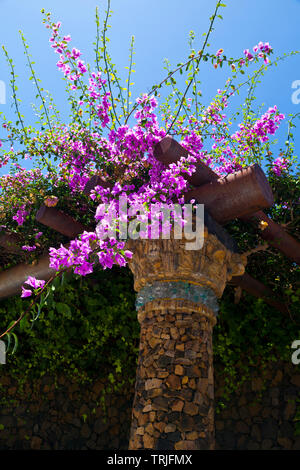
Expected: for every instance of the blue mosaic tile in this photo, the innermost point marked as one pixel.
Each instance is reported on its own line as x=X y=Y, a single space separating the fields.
x=177 y=290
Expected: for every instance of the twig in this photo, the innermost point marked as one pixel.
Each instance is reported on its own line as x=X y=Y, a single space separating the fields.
x=31 y=305
x=263 y=247
x=213 y=18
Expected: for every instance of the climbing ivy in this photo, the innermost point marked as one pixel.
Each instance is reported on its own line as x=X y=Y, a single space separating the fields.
x=86 y=330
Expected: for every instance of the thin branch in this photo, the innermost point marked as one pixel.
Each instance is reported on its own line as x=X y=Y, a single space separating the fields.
x=106 y=61
x=129 y=73
x=212 y=21
x=31 y=305
x=156 y=87
x=35 y=80
x=263 y=247
x=14 y=89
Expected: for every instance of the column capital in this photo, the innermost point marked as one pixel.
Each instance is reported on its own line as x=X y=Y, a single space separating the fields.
x=169 y=261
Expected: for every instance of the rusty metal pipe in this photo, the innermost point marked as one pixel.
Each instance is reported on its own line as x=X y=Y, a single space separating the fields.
x=243 y=192
x=259 y=290
x=168 y=150
x=94 y=181
x=10 y=242
x=59 y=221
x=277 y=237
x=13 y=278
x=225 y=198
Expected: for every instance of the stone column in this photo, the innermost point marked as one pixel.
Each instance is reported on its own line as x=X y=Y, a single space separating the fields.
x=177 y=307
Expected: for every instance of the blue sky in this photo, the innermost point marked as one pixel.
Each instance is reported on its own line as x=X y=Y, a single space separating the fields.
x=161 y=30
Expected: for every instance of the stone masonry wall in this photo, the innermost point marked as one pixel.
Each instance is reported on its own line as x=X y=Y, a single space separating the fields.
x=70 y=417
x=259 y=416
x=262 y=414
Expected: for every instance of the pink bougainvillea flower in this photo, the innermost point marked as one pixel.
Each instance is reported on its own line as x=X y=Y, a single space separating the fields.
x=20 y=216
x=32 y=282
x=76 y=53
x=248 y=54
x=26 y=292
x=28 y=248
x=280 y=165
x=35 y=283
x=130 y=148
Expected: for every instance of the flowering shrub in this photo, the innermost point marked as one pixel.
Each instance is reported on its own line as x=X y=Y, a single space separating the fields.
x=110 y=136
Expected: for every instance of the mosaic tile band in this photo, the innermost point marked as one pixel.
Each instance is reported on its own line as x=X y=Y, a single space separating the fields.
x=177 y=290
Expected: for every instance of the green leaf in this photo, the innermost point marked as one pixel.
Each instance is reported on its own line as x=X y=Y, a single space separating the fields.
x=16 y=343
x=63 y=309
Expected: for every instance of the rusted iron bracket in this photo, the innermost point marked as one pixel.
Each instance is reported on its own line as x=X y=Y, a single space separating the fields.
x=259 y=290
x=59 y=221
x=10 y=242
x=276 y=236
x=243 y=192
x=13 y=278
x=94 y=181
x=168 y=150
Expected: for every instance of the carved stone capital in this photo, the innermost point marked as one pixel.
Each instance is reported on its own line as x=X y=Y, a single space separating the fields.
x=168 y=260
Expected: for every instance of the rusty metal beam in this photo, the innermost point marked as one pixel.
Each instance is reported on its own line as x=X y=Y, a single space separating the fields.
x=259 y=290
x=59 y=221
x=168 y=150
x=13 y=278
x=94 y=181
x=276 y=236
x=243 y=192
x=10 y=242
